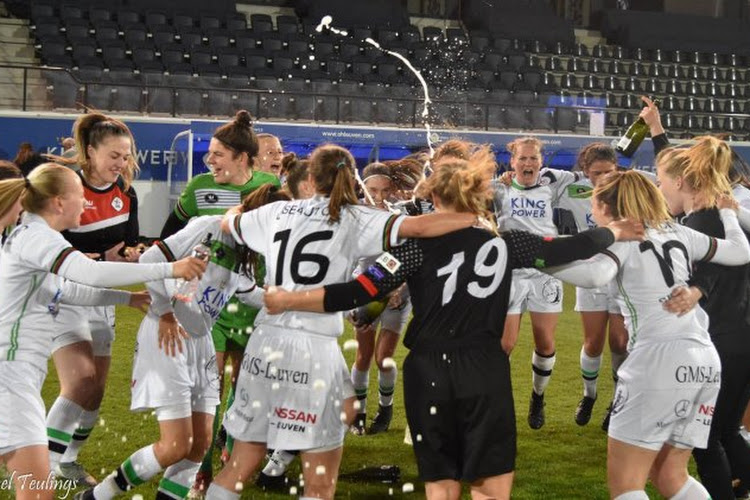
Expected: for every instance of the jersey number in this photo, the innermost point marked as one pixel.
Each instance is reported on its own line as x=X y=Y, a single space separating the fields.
x=482 y=269
x=299 y=256
x=665 y=262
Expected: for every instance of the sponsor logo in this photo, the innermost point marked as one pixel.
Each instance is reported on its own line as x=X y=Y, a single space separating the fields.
x=295 y=415
x=267 y=369
x=551 y=291
x=697 y=374
x=211 y=198
x=706 y=410
x=117 y=203
x=212 y=301
x=681 y=408
x=389 y=262
x=526 y=207
x=88 y=204
x=307 y=211
x=212 y=373
x=621 y=397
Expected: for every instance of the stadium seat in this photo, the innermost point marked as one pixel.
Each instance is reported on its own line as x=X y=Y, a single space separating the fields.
x=189 y=101
x=127 y=16
x=565 y=119
x=261 y=23
x=62 y=89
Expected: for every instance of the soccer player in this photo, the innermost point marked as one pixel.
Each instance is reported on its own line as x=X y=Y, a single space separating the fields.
x=105 y=159
x=459 y=403
x=293 y=374
x=526 y=203
x=692 y=180
x=31 y=259
x=270 y=155
x=174 y=371
x=232 y=159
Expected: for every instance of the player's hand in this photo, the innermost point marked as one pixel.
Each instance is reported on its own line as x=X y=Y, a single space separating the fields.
x=140 y=300
x=132 y=254
x=682 y=300
x=395 y=301
x=275 y=299
x=651 y=116
x=727 y=201
x=115 y=254
x=171 y=334
x=188 y=268
x=506 y=178
x=627 y=230
x=235 y=210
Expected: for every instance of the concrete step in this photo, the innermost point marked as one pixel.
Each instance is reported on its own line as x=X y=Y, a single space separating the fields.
x=15 y=32
x=17 y=53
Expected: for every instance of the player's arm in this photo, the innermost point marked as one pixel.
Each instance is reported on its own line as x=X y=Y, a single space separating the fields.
x=249 y=293
x=432 y=225
x=82 y=295
x=388 y=272
x=734 y=250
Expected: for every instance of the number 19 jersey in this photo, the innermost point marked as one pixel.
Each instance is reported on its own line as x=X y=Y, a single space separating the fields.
x=304 y=250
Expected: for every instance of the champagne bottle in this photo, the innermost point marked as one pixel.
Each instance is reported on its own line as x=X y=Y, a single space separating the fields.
x=633 y=136
x=187 y=289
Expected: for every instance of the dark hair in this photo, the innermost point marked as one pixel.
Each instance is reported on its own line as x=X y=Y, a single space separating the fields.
x=332 y=168
x=739 y=171
x=249 y=261
x=376 y=168
x=296 y=172
x=239 y=136
x=596 y=151
x=9 y=170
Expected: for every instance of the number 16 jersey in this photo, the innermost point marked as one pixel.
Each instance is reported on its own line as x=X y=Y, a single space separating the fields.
x=304 y=250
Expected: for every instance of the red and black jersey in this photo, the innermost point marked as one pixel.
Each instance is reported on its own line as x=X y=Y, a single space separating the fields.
x=109 y=217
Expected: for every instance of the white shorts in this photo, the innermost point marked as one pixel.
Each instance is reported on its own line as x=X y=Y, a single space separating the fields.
x=161 y=380
x=535 y=291
x=95 y=324
x=290 y=391
x=394 y=319
x=666 y=394
x=22 y=415
x=596 y=299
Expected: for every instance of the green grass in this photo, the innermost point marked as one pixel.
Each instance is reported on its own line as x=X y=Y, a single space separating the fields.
x=560 y=461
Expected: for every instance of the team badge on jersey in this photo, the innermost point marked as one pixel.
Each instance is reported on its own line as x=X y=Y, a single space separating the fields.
x=551 y=291
x=211 y=198
x=117 y=203
x=389 y=262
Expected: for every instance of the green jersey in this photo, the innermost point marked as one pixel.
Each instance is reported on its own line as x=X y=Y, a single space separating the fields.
x=203 y=196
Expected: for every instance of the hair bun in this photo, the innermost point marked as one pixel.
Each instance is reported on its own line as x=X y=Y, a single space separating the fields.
x=243 y=118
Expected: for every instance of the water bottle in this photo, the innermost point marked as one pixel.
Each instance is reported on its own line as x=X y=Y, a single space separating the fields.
x=186 y=289
x=633 y=137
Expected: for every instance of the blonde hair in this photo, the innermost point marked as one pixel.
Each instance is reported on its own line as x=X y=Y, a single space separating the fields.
x=631 y=195
x=514 y=145
x=332 y=169
x=704 y=167
x=44 y=182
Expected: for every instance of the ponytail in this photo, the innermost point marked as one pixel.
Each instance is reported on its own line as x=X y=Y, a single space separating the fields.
x=332 y=168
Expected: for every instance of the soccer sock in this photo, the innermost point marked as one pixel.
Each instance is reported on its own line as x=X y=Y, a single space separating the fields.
x=216 y=492
x=617 y=360
x=691 y=490
x=230 y=439
x=136 y=470
x=590 y=372
x=208 y=460
x=62 y=421
x=85 y=426
x=633 y=495
x=386 y=384
x=542 y=371
x=360 y=381
x=278 y=463
x=177 y=480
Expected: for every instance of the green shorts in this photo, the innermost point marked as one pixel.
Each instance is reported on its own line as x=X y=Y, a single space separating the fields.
x=232 y=330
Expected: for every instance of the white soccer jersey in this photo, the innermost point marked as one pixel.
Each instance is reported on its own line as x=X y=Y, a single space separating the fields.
x=649 y=271
x=577 y=199
x=530 y=208
x=215 y=288
x=30 y=294
x=742 y=195
x=304 y=250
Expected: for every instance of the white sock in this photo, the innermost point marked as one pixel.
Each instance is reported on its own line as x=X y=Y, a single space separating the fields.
x=590 y=372
x=216 y=492
x=278 y=462
x=360 y=381
x=633 y=495
x=692 y=490
x=136 y=470
x=617 y=360
x=85 y=426
x=62 y=421
x=542 y=371
x=178 y=478
x=386 y=385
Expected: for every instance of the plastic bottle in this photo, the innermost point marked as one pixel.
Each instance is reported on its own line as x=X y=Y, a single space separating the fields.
x=187 y=289
x=633 y=136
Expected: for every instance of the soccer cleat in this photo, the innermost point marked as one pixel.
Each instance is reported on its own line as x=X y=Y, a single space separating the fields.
x=607 y=416
x=267 y=482
x=200 y=485
x=583 y=411
x=536 y=411
x=75 y=472
x=382 y=420
x=359 y=425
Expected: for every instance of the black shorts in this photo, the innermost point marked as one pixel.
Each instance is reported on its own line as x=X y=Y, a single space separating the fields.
x=459 y=406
